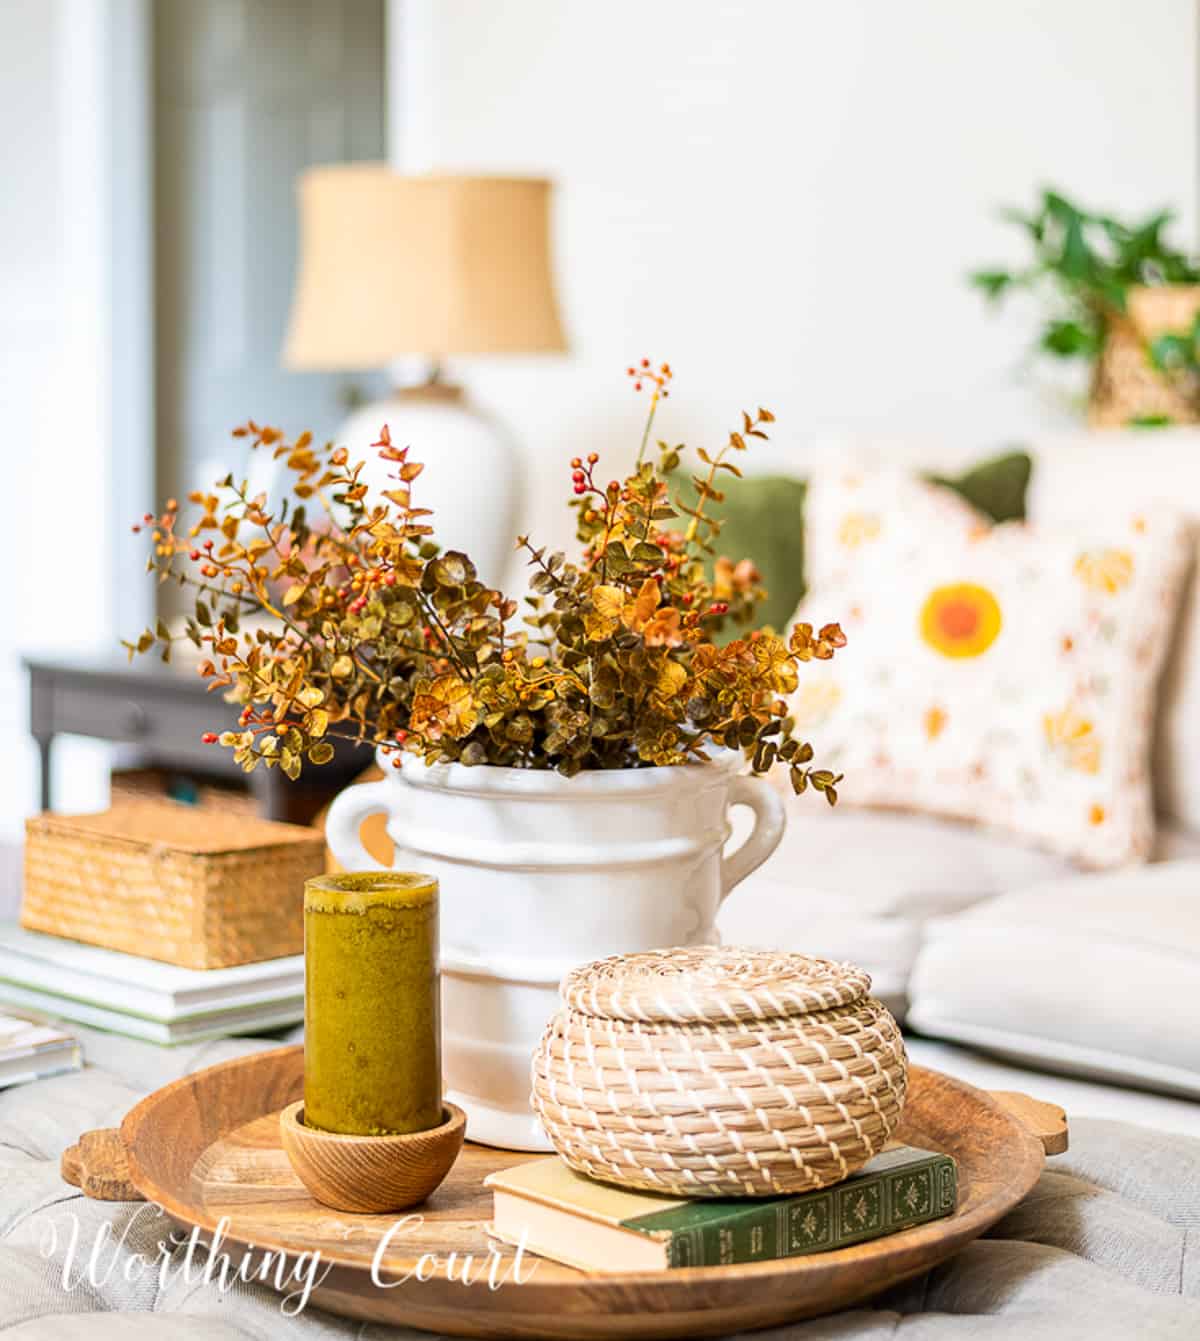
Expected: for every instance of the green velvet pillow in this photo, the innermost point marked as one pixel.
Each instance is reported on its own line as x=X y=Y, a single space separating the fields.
x=997 y=488
x=763 y=520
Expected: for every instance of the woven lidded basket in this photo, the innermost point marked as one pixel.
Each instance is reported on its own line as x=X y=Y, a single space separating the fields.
x=717 y=1071
x=171 y=882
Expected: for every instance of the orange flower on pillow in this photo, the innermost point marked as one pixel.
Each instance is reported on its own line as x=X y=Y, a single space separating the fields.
x=1106 y=570
x=1073 y=738
x=961 y=620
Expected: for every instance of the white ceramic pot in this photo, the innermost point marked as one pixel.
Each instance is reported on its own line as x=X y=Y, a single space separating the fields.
x=540 y=873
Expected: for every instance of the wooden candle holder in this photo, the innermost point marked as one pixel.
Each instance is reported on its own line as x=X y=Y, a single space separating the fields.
x=371 y=1174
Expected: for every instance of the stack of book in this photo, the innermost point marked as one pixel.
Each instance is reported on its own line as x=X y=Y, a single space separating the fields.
x=143 y=998
x=31 y=1048
x=560 y=1214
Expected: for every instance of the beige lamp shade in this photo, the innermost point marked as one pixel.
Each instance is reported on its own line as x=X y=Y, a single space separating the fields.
x=432 y=265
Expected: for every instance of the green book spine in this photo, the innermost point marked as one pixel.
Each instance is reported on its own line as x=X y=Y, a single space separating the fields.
x=897 y=1190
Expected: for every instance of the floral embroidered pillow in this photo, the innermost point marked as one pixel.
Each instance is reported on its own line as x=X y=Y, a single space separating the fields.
x=1002 y=674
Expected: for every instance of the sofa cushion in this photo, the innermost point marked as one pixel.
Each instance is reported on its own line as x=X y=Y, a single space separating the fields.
x=1004 y=674
x=1094 y=976
x=858 y=885
x=1100 y=475
x=861 y=884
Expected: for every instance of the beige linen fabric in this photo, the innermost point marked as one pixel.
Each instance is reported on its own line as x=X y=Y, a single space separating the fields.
x=1106 y=1246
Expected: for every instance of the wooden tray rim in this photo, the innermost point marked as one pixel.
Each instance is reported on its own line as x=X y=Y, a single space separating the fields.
x=949 y=1233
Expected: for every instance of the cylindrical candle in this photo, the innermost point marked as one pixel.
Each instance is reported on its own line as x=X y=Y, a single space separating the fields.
x=372 y=1020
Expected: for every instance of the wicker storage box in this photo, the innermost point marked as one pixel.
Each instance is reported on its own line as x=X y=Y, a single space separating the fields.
x=171 y=882
x=719 y=1072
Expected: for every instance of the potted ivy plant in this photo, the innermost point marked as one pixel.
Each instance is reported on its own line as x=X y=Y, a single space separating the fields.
x=1120 y=297
x=567 y=776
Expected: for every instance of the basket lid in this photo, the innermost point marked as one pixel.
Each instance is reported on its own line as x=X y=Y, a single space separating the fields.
x=711 y=983
x=179 y=827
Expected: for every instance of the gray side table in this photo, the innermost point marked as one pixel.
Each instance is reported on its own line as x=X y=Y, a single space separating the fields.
x=164 y=710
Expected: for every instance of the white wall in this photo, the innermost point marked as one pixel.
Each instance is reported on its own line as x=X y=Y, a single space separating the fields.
x=61 y=469
x=782 y=196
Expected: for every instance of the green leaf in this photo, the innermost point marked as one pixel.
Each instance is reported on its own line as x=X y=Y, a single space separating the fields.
x=1069 y=339
x=1060 y=208
x=992 y=282
x=1171 y=353
x=1077 y=259
x=1033 y=224
x=203 y=613
x=320 y=753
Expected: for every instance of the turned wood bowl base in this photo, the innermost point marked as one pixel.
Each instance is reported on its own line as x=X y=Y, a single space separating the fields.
x=371 y=1174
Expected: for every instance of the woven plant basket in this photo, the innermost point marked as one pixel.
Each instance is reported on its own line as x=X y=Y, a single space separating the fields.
x=171 y=882
x=719 y=1072
x=1126 y=386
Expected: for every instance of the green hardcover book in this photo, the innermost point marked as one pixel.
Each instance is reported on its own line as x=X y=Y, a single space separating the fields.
x=558 y=1213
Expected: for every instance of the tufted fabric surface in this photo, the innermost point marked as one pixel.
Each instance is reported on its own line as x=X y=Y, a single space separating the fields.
x=1106 y=1246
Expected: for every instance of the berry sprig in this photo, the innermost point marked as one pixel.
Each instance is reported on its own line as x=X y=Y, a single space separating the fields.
x=582 y=479
x=646 y=372
x=643 y=373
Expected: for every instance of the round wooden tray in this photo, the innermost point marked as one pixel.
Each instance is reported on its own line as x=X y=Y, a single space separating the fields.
x=208 y=1147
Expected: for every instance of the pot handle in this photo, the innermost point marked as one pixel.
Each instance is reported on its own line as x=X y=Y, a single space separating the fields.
x=769 y=819
x=346 y=814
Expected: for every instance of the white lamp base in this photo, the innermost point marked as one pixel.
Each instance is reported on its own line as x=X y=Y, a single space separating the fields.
x=471 y=478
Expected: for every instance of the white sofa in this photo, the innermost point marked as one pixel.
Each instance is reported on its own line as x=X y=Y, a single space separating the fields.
x=884 y=876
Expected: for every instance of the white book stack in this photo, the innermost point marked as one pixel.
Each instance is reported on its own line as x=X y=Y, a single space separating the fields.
x=32 y=1048
x=142 y=997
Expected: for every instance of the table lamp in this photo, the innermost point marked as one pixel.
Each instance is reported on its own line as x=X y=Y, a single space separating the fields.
x=393 y=265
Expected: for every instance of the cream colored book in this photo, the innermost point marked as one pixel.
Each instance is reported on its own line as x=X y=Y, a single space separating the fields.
x=31 y=1048
x=562 y=1215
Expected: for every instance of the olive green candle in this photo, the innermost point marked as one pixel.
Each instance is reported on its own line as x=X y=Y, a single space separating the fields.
x=372 y=1024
